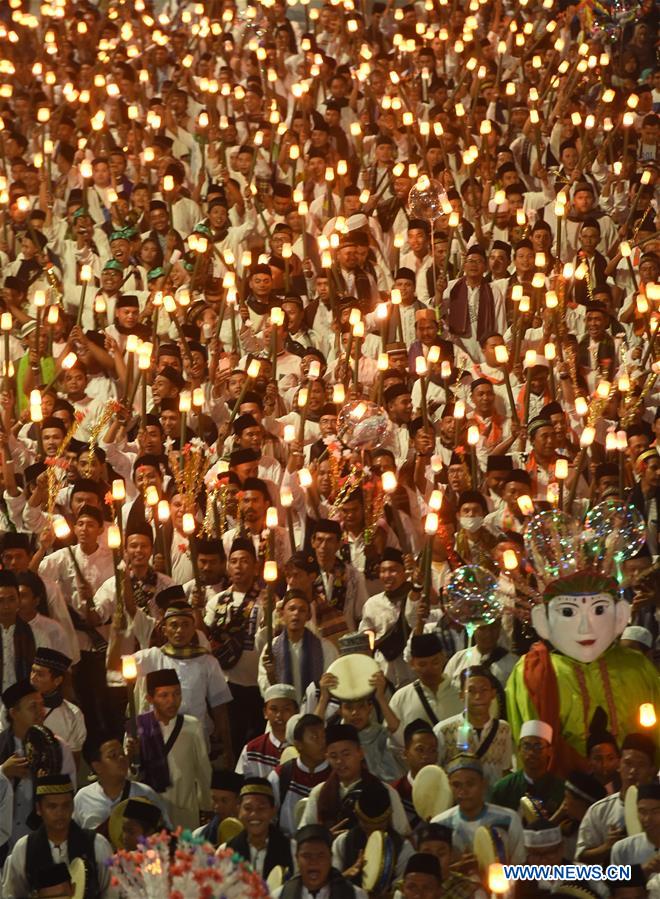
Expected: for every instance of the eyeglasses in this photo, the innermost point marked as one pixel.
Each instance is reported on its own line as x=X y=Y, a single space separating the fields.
x=524 y=746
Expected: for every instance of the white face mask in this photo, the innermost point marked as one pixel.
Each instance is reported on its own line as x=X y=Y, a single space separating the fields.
x=470 y=524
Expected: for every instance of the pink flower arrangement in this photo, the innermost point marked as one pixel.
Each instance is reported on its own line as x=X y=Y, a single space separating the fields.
x=194 y=870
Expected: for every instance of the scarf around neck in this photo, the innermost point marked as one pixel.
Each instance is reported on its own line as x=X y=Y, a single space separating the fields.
x=399 y=594
x=53 y=700
x=183 y=652
x=311 y=662
x=459 y=310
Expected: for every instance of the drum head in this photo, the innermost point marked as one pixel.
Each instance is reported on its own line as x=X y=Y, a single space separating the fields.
x=228 y=829
x=78 y=875
x=488 y=847
x=299 y=810
x=630 y=814
x=373 y=860
x=275 y=878
x=353 y=673
x=531 y=809
x=288 y=753
x=431 y=793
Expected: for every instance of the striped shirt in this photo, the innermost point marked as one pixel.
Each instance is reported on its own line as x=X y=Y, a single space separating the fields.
x=260 y=756
x=296 y=783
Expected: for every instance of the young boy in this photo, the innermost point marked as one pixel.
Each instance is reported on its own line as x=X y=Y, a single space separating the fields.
x=225 y=790
x=474 y=730
x=295 y=779
x=466 y=779
x=140 y=819
x=260 y=756
x=431 y=696
x=261 y=843
x=373 y=811
x=436 y=840
x=65 y=719
x=374 y=736
x=421 y=749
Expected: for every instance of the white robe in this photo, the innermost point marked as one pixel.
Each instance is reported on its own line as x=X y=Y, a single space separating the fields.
x=190 y=774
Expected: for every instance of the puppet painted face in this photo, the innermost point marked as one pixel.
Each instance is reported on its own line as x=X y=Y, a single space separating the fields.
x=581 y=626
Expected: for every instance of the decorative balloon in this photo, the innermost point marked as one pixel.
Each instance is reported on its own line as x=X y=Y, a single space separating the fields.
x=472 y=597
x=613 y=531
x=362 y=424
x=425 y=200
x=553 y=542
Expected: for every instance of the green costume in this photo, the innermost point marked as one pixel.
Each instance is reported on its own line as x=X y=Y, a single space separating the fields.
x=619 y=681
x=48 y=369
x=509 y=790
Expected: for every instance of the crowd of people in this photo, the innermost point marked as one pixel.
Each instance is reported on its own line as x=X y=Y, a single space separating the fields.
x=305 y=308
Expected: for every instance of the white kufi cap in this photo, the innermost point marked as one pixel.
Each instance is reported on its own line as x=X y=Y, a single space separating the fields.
x=536 y=729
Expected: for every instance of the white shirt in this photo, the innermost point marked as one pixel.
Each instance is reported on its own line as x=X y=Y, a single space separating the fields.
x=48 y=632
x=258 y=857
x=399 y=819
x=638 y=850
x=497 y=759
x=252 y=768
x=58 y=573
x=466 y=658
x=380 y=615
x=444 y=703
x=295 y=792
x=68 y=723
x=92 y=806
x=15 y=884
x=594 y=827
x=506 y=822
x=356 y=594
x=328 y=649
x=201 y=681
x=244 y=672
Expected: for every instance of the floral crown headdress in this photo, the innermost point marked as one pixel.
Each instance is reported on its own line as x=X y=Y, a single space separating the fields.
x=569 y=556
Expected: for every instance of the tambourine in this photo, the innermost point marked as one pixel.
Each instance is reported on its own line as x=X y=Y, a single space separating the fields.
x=630 y=813
x=353 y=673
x=574 y=891
x=299 y=810
x=379 y=862
x=531 y=809
x=276 y=878
x=228 y=829
x=43 y=751
x=488 y=846
x=431 y=793
x=288 y=753
x=78 y=875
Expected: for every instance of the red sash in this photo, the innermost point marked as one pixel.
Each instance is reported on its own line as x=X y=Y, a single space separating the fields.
x=541 y=682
